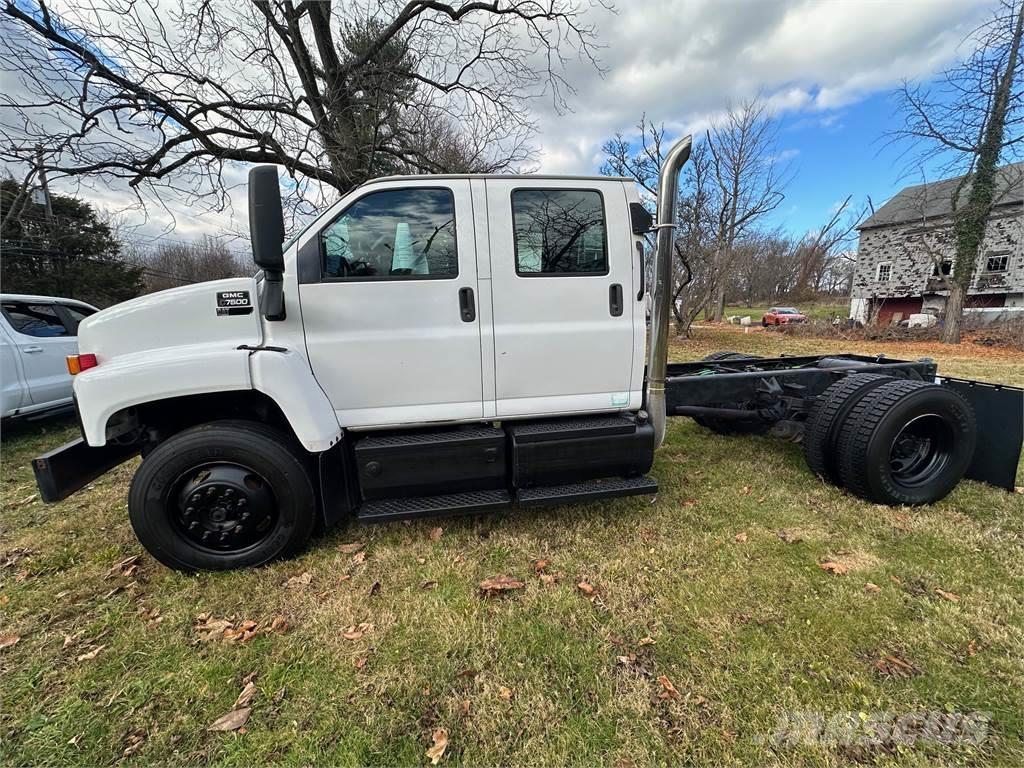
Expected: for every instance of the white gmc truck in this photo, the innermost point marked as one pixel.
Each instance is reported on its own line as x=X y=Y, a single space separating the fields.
x=437 y=345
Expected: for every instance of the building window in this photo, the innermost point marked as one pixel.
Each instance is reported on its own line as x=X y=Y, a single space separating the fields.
x=559 y=232
x=394 y=234
x=883 y=272
x=997 y=262
x=945 y=269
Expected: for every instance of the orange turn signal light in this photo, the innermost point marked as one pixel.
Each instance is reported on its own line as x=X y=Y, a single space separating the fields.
x=78 y=363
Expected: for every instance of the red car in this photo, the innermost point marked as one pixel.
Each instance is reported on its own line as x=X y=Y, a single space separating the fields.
x=782 y=316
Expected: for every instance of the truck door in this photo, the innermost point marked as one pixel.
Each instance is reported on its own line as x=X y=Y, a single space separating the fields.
x=43 y=343
x=564 y=303
x=391 y=324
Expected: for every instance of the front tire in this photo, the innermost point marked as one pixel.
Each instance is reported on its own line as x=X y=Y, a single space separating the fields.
x=906 y=442
x=223 y=495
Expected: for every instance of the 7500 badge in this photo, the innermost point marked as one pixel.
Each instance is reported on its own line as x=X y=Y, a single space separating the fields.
x=233 y=303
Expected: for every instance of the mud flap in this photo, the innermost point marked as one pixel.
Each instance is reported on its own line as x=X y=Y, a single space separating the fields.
x=74 y=465
x=999 y=411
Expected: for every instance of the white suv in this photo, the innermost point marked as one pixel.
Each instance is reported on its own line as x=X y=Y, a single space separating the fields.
x=37 y=333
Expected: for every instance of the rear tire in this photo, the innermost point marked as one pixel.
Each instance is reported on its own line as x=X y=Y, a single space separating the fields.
x=730 y=426
x=821 y=431
x=223 y=495
x=906 y=442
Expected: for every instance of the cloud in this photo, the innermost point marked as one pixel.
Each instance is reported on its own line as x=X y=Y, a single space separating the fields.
x=682 y=62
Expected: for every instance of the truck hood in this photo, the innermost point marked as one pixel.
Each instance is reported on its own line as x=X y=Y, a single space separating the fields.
x=217 y=312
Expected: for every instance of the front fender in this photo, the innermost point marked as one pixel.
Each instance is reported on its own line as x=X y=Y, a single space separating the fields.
x=285 y=377
x=155 y=374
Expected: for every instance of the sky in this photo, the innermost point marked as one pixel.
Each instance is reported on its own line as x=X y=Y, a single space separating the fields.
x=826 y=67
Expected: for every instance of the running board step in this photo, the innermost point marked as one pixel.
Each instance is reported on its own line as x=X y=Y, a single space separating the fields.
x=591 y=490
x=470 y=502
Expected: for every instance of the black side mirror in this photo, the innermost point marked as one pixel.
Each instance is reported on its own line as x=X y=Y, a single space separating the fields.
x=266 y=229
x=266 y=222
x=640 y=219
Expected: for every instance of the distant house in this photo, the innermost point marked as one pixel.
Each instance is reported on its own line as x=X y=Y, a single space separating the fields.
x=907 y=246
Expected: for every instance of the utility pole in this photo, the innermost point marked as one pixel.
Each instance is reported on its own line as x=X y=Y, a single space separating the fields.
x=42 y=183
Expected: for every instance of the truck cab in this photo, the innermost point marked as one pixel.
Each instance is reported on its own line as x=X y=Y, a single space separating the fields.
x=427 y=345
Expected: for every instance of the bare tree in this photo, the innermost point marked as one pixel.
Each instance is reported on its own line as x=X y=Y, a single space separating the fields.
x=180 y=263
x=750 y=181
x=973 y=116
x=818 y=252
x=172 y=94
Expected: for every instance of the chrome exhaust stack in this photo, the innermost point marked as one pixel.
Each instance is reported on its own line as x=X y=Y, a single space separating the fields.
x=661 y=293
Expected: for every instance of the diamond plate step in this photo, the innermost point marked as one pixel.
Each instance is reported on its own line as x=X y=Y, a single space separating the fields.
x=560 y=429
x=433 y=506
x=590 y=490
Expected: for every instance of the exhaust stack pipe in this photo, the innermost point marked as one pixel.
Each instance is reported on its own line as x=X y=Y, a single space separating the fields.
x=661 y=295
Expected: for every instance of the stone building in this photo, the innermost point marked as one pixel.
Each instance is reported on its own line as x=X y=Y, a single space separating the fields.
x=907 y=246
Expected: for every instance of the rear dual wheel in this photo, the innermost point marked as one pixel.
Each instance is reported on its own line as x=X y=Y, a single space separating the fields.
x=890 y=441
x=229 y=494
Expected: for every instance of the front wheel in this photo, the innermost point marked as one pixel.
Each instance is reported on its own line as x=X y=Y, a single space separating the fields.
x=224 y=495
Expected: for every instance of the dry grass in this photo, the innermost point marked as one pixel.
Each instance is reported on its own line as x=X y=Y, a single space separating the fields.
x=745 y=630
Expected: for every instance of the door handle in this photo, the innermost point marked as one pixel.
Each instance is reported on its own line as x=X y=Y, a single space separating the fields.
x=643 y=271
x=30 y=350
x=615 y=299
x=467 y=306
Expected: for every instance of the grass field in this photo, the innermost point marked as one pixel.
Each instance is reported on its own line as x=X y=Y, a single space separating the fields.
x=707 y=619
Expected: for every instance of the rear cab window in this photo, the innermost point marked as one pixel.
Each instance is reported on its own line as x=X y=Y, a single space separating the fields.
x=559 y=232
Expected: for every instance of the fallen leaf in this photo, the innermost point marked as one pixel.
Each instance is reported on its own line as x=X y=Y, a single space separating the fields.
x=68 y=642
x=246 y=696
x=837 y=569
x=243 y=633
x=745 y=490
x=646 y=641
x=278 y=625
x=134 y=743
x=670 y=690
x=505 y=693
x=350 y=549
x=788 y=536
x=691 y=503
x=626 y=660
x=232 y=721
x=359 y=557
x=251 y=677
x=741 y=536
x=972 y=648
x=895 y=579
x=91 y=654
x=585 y=587
x=870 y=587
x=499 y=585
x=951 y=596
x=6 y=641
x=547 y=579
x=356 y=631
x=893 y=665
x=361 y=662
x=302 y=580
x=124 y=568
x=464 y=708
x=428 y=585
x=436 y=751
x=279 y=695
x=209 y=628
x=539 y=566
x=435 y=533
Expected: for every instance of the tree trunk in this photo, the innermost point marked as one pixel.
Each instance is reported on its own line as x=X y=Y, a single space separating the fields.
x=954 y=314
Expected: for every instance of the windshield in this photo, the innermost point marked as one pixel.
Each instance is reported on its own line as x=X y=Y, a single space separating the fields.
x=786 y=311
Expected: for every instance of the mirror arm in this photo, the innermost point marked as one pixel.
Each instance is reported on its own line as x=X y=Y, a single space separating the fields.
x=272 y=297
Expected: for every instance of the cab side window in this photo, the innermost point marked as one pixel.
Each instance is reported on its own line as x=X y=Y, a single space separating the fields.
x=559 y=232
x=39 y=320
x=394 y=234
x=76 y=315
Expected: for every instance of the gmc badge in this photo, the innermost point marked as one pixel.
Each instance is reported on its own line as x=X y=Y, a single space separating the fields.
x=233 y=303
